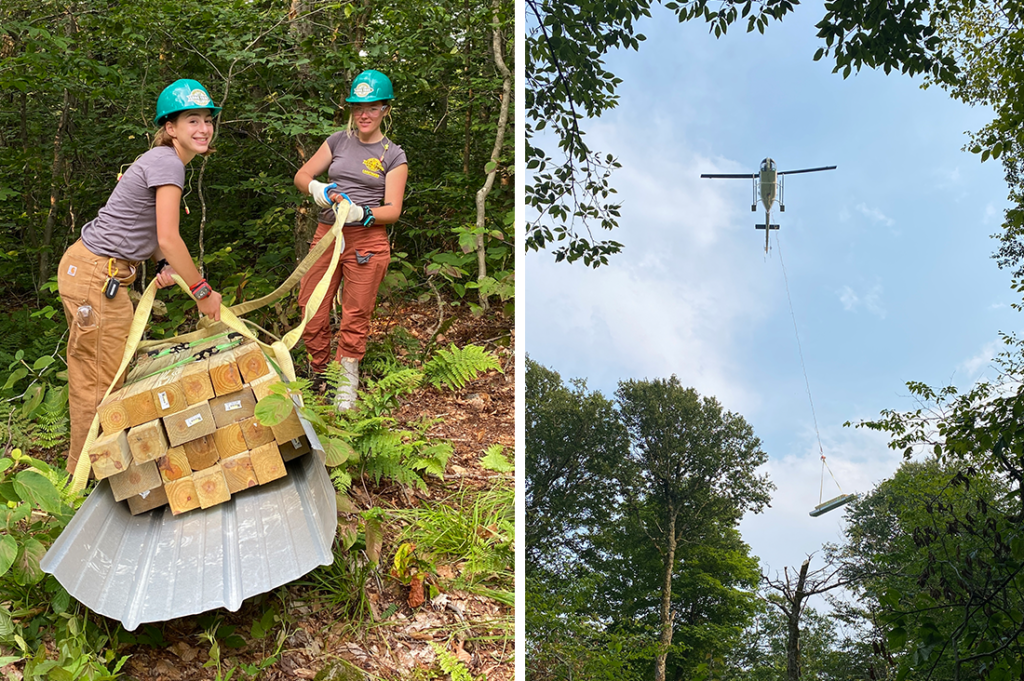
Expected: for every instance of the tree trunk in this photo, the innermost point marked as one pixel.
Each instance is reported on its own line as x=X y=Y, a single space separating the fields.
x=665 y=617
x=468 y=129
x=499 y=141
x=305 y=217
x=56 y=181
x=793 y=626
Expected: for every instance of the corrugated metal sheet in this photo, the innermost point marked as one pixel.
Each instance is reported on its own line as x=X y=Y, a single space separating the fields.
x=156 y=566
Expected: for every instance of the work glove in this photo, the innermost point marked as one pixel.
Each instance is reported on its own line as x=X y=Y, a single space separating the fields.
x=318 y=190
x=356 y=214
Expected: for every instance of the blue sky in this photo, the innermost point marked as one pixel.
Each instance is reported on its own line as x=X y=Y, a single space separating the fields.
x=888 y=258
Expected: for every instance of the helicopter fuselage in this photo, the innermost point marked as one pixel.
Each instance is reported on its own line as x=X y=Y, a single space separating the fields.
x=768 y=183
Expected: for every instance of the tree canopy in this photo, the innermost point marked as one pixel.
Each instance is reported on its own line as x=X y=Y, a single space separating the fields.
x=635 y=564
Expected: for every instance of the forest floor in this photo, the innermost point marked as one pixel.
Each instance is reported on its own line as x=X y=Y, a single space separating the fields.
x=394 y=641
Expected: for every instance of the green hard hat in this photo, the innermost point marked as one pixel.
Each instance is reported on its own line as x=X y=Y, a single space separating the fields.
x=371 y=86
x=182 y=95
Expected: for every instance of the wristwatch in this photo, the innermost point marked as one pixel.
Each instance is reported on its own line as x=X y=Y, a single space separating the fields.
x=201 y=289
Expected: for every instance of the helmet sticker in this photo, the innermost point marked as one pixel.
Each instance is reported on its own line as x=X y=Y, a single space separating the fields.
x=364 y=90
x=199 y=97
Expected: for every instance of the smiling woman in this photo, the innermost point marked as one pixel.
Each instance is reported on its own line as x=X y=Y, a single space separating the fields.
x=139 y=221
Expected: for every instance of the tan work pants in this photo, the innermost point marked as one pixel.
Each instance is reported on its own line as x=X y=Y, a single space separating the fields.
x=362 y=267
x=97 y=336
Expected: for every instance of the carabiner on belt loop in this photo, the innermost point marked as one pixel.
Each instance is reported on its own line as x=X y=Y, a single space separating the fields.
x=110 y=290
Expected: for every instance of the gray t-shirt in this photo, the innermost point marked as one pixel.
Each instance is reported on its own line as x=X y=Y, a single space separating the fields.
x=126 y=226
x=359 y=169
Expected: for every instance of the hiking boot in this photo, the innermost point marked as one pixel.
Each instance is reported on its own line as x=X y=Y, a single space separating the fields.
x=346 y=395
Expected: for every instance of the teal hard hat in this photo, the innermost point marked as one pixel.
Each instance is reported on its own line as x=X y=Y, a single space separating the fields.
x=182 y=95
x=371 y=86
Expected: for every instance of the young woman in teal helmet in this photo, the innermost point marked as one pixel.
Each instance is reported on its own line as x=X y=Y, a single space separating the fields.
x=371 y=171
x=139 y=221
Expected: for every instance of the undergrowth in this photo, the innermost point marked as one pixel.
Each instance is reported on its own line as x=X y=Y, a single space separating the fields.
x=471 y=529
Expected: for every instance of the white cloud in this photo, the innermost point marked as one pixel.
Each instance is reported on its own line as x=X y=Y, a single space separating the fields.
x=975 y=366
x=946 y=178
x=692 y=275
x=786 y=533
x=875 y=215
x=871 y=300
x=992 y=215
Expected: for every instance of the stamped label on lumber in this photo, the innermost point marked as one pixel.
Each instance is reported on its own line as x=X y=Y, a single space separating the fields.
x=231 y=406
x=193 y=420
x=164 y=402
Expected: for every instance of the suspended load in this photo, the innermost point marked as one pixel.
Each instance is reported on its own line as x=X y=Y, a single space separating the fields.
x=824 y=507
x=832 y=504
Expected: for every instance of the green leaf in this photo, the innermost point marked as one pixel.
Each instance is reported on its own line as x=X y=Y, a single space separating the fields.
x=490 y=167
x=42 y=362
x=61 y=600
x=337 y=451
x=897 y=638
x=17 y=375
x=8 y=552
x=374 y=540
x=273 y=409
x=6 y=623
x=33 y=398
x=26 y=567
x=32 y=486
x=495 y=460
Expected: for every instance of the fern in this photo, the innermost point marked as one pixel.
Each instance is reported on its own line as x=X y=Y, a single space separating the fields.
x=384 y=452
x=52 y=427
x=455 y=367
x=433 y=458
x=16 y=429
x=341 y=478
x=451 y=665
x=494 y=459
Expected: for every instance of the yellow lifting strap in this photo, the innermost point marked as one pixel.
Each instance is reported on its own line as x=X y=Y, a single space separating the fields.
x=280 y=350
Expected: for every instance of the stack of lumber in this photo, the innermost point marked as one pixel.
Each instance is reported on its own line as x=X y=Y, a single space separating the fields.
x=181 y=432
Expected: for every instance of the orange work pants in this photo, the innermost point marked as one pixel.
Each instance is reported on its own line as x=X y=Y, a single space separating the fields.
x=362 y=267
x=97 y=336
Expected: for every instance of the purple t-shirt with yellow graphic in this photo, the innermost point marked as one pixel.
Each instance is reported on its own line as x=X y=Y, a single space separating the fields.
x=359 y=169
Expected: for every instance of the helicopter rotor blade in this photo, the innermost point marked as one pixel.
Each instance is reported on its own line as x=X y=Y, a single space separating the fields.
x=806 y=170
x=747 y=176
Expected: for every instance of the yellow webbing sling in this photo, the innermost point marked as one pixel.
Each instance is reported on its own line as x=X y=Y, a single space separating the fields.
x=230 y=318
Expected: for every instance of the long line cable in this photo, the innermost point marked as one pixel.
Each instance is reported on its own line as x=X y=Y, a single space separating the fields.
x=807 y=382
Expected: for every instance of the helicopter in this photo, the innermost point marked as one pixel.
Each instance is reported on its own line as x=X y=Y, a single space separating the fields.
x=767 y=180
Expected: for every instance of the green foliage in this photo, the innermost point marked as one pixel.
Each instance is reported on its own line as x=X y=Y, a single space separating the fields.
x=616 y=494
x=343 y=582
x=280 y=76
x=34 y=392
x=455 y=367
x=940 y=545
x=367 y=440
x=571 y=196
x=495 y=460
x=474 y=529
x=451 y=665
x=36 y=505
